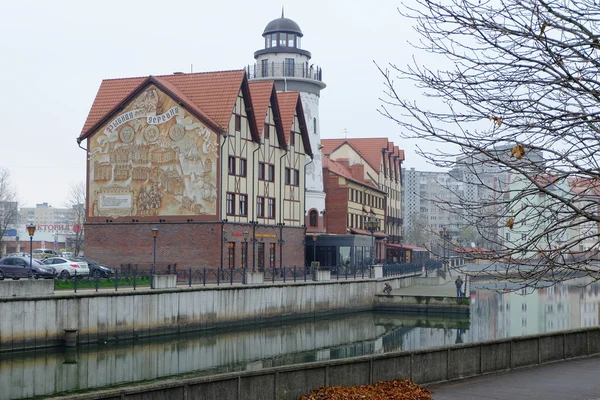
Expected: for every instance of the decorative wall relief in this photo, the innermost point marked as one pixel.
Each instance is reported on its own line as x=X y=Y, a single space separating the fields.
x=153 y=159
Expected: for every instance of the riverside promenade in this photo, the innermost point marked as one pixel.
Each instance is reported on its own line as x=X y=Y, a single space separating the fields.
x=575 y=379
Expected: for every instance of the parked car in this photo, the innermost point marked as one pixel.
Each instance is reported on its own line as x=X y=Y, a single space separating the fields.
x=45 y=253
x=97 y=270
x=18 y=267
x=66 y=254
x=67 y=268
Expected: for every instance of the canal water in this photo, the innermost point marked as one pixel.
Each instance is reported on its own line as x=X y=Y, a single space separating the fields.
x=495 y=314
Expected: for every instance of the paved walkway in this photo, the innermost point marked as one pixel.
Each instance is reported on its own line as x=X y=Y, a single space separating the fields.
x=446 y=290
x=574 y=379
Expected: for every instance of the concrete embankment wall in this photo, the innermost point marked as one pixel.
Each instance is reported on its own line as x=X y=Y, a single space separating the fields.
x=422 y=366
x=40 y=321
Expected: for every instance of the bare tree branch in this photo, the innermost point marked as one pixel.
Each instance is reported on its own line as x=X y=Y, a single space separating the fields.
x=517 y=109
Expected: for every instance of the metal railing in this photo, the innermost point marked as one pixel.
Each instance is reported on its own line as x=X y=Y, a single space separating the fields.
x=131 y=276
x=282 y=69
x=429 y=267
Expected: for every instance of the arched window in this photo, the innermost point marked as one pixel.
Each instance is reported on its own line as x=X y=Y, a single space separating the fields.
x=313 y=217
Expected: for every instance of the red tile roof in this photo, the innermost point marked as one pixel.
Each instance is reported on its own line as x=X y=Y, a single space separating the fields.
x=343 y=171
x=261 y=92
x=368 y=148
x=213 y=94
x=287 y=106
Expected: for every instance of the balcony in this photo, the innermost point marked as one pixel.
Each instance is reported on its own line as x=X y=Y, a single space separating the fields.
x=282 y=69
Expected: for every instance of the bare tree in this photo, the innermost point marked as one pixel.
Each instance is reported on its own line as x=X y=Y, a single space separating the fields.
x=9 y=211
x=76 y=201
x=510 y=96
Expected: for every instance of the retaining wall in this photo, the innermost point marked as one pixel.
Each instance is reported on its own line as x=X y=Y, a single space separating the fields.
x=40 y=321
x=422 y=366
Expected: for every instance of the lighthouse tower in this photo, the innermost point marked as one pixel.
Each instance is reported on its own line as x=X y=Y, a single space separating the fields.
x=283 y=61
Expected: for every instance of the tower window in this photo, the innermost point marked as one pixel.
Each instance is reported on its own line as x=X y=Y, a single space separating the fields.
x=315 y=126
x=291 y=40
x=264 y=66
x=313 y=218
x=289 y=67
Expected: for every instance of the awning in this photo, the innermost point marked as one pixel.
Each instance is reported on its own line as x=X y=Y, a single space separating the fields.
x=378 y=235
x=406 y=247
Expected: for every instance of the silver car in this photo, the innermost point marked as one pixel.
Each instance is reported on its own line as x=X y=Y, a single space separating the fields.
x=67 y=268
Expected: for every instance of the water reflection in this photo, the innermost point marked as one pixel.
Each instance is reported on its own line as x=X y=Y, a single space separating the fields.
x=494 y=315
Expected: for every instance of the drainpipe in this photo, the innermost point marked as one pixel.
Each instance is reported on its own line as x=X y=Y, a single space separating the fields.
x=253 y=221
x=224 y=139
x=281 y=185
x=304 y=202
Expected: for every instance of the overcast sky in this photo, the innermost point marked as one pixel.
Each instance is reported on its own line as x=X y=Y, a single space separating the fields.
x=56 y=53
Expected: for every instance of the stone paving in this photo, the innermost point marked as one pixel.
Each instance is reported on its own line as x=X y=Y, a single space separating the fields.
x=446 y=290
x=565 y=380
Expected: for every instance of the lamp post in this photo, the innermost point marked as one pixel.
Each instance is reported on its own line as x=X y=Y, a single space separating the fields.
x=372 y=225
x=445 y=234
x=245 y=254
x=154 y=235
x=254 y=223
x=314 y=238
x=31 y=231
x=281 y=242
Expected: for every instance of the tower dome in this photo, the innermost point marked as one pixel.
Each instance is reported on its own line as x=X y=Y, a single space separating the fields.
x=282 y=25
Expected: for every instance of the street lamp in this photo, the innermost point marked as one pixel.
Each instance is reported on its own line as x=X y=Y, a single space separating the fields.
x=254 y=223
x=245 y=254
x=31 y=231
x=445 y=234
x=154 y=235
x=314 y=238
x=372 y=225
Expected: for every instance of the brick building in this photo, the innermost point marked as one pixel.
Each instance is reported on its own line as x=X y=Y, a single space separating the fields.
x=221 y=176
x=362 y=175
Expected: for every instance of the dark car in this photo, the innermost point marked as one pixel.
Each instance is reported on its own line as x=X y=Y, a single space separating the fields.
x=97 y=270
x=18 y=267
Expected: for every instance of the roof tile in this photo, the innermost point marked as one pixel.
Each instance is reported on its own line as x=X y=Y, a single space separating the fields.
x=287 y=107
x=261 y=92
x=212 y=93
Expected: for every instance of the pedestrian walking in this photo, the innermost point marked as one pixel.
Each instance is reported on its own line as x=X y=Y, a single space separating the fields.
x=458 y=282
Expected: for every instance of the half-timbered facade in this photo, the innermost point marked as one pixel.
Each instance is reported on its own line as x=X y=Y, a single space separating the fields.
x=212 y=161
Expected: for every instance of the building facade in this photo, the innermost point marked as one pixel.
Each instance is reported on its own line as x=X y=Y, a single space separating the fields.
x=212 y=161
x=382 y=161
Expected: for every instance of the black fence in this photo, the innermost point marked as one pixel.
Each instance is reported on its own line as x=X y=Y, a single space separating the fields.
x=430 y=268
x=133 y=276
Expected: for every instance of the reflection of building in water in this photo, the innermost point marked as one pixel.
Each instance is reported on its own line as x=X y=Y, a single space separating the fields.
x=140 y=173
x=555 y=308
x=120 y=155
x=122 y=172
x=164 y=156
x=140 y=154
x=102 y=171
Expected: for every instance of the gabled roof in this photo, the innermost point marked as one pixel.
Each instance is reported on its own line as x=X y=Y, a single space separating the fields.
x=345 y=172
x=290 y=105
x=368 y=148
x=263 y=92
x=211 y=96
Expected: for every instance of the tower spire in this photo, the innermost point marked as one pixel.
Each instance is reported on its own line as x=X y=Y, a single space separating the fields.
x=281 y=11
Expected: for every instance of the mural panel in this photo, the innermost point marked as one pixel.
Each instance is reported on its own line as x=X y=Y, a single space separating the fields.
x=153 y=159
